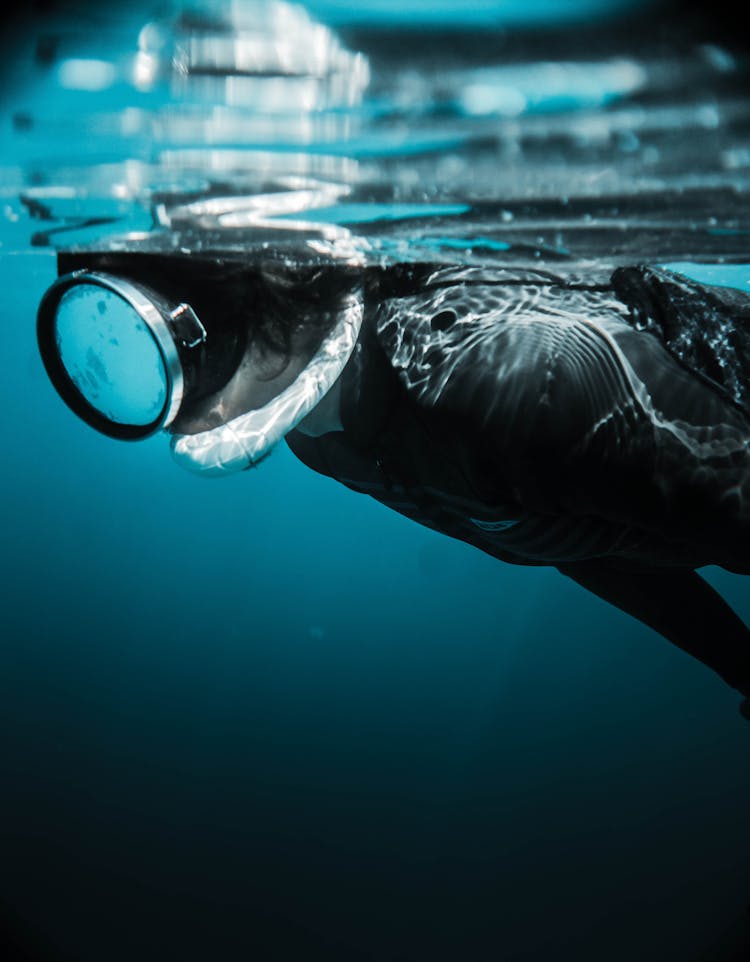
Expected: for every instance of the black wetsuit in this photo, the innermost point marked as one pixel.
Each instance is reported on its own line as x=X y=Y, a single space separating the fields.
x=601 y=429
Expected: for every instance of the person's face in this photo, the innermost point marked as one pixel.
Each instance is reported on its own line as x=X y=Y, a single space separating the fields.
x=261 y=376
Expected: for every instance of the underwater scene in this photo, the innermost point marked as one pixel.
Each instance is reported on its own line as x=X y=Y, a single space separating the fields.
x=374 y=645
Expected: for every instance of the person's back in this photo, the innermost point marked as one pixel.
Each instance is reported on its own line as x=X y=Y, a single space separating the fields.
x=542 y=423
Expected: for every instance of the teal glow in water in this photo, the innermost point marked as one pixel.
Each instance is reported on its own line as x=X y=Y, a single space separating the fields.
x=371 y=213
x=464 y=243
x=719 y=275
x=264 y=717
x=110 y=355
x=478 y=12
x=548 y=87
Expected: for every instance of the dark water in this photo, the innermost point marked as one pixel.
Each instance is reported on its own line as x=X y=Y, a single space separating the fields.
x=263 y=718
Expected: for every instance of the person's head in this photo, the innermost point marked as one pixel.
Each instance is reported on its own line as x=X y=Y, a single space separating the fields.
x=138 y=342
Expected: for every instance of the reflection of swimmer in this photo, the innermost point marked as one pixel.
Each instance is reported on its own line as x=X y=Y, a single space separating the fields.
x=601 y=429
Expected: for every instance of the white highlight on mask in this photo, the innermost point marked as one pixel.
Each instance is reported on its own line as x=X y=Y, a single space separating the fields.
x=242 y=442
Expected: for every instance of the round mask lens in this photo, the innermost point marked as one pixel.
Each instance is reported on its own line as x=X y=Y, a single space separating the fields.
x=110 y=355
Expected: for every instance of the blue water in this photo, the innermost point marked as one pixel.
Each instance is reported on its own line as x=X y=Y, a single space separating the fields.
x=263 y=718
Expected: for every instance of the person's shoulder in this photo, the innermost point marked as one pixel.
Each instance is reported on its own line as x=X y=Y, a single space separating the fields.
x=512 y=355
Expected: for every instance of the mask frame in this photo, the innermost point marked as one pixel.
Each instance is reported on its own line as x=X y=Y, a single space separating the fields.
x=170 y=327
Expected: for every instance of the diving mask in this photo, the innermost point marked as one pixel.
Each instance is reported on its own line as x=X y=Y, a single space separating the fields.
x=128 y=359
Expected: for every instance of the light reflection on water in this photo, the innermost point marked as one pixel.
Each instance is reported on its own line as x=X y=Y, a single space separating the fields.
x=589 y=145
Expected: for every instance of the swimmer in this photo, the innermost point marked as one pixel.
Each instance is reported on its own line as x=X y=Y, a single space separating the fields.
x=599 y=428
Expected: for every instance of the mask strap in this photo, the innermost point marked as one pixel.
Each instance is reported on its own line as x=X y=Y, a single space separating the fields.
x=242 y=442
